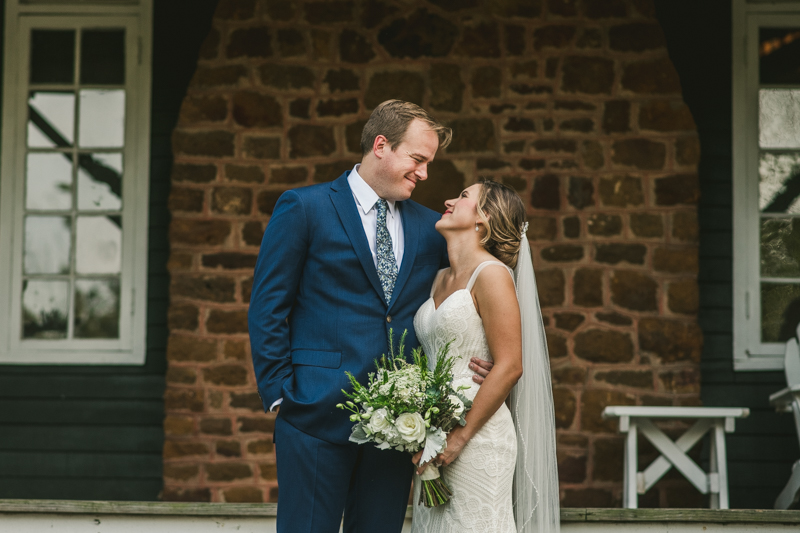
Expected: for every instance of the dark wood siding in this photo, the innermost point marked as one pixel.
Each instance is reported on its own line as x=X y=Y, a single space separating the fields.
x=764 y=446
x=89 y=432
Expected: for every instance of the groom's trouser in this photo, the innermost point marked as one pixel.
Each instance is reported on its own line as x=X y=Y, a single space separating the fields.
x=317 y=481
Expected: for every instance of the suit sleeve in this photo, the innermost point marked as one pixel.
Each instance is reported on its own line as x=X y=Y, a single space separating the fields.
x=275 y=284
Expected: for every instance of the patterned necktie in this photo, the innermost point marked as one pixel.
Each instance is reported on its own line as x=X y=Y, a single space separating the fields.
x=387 y=264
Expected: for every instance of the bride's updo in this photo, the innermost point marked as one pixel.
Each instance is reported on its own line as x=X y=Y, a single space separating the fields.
x=503 y=215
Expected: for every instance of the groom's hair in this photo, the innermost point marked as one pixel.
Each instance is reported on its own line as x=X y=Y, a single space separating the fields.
x=392 y=118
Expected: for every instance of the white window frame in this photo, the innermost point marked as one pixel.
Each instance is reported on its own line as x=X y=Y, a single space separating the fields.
x=136 y=17
x=749 y=353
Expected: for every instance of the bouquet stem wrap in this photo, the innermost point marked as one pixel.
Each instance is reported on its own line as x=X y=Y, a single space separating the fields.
x=434 y=491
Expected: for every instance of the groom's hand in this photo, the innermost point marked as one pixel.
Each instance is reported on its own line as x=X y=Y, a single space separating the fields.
x=481 y=369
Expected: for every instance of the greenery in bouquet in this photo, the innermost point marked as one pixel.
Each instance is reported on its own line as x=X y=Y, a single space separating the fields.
x=408 y=407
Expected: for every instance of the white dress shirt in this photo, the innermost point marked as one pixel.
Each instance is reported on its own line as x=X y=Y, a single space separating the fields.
x=366 y=199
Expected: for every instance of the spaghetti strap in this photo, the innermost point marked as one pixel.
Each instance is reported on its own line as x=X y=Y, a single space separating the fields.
x=480 y=267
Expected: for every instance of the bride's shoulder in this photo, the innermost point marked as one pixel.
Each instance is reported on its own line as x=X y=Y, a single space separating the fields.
x=492 y=275
x=497 y=268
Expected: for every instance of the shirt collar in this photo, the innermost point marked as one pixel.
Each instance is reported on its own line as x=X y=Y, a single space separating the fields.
x=365 y=196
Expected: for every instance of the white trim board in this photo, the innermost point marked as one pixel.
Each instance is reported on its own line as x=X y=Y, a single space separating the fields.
x=29 y=516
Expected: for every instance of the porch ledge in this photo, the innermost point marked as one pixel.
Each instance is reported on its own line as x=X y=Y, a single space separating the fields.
x=267 y=510
x=716 y=516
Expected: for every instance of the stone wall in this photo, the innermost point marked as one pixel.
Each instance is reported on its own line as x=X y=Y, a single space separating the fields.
x=573 y=103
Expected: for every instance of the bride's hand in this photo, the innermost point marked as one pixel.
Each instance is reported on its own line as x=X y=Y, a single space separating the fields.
x=456 y=441
x=415 y=459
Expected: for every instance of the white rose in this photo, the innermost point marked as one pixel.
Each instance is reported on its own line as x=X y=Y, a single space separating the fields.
x=456 y=402
x=411 y=427
x=379 y=421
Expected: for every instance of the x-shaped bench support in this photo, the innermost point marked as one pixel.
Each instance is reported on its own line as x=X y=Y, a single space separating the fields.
x=716 y=421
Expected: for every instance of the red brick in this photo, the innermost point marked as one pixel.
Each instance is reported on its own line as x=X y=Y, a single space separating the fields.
x=180 y=472
x=565 y=406
x=227 y=321
x=604 y=346
x=178 y=449
x=199 y=232
x=651 y=77
x=184 y=399
x=229 y=375
x=243 y=495
x=671 y=340
x=571 y=467
x=178 y=425
x=227 y=471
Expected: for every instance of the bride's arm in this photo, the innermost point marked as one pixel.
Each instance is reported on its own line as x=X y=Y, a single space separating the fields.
x=496 y=301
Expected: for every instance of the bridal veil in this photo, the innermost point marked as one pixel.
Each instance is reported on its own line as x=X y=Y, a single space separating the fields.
x=536 y=496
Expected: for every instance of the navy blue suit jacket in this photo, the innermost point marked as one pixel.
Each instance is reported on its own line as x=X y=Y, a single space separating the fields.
x=317 y=307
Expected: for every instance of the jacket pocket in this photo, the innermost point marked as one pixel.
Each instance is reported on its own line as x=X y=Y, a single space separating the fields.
x=317 y=358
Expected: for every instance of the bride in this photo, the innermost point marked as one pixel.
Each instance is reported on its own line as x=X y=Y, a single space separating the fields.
x=501 y=466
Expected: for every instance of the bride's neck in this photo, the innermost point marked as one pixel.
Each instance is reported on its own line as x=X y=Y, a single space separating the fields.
x=463 y=250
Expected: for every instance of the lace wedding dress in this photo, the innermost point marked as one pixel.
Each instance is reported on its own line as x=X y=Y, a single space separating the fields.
x=481 y=477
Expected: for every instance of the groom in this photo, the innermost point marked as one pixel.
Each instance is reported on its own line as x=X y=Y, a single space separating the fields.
x=341 y=264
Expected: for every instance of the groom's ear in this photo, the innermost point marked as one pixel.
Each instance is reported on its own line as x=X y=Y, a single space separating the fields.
x=379 y=146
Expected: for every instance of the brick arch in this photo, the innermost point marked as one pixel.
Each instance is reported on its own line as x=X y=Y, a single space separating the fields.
x=574 y=104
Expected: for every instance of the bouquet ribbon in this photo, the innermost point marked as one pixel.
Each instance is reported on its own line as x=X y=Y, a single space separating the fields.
x=430 y=473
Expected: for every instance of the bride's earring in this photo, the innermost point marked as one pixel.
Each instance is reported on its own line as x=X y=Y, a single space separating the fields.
x=476 y=227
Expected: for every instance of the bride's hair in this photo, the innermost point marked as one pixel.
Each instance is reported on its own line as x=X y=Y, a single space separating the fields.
x=503 y=215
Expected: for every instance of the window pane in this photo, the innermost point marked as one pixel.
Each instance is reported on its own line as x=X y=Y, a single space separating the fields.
x=44 y=309
x=100 y=182
x=51 y=119
x=780 y=311
x=98 y=245
x=779 y=118
x=103 y=57
x=101 y=118
x=779 y=183
x=779 y=55
x=52 y=56
x=97 y=309
x=48 y=181
x=780 y=247
x=47 y=243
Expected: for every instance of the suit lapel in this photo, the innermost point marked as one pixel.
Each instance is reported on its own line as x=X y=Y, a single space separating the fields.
x=411 y=233
x=343 y=201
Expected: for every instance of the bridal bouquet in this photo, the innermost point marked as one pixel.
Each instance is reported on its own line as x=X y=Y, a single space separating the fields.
x=408 y=407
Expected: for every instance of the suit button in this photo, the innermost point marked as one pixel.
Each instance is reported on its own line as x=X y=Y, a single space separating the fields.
x=389 y=319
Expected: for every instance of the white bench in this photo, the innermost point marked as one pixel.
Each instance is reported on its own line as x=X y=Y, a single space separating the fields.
x=633 y=419
x=788 y=400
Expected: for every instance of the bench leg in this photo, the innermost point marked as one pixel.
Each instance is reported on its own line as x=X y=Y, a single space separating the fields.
x=630 y=496
x=712 y=470
x=721 y=465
